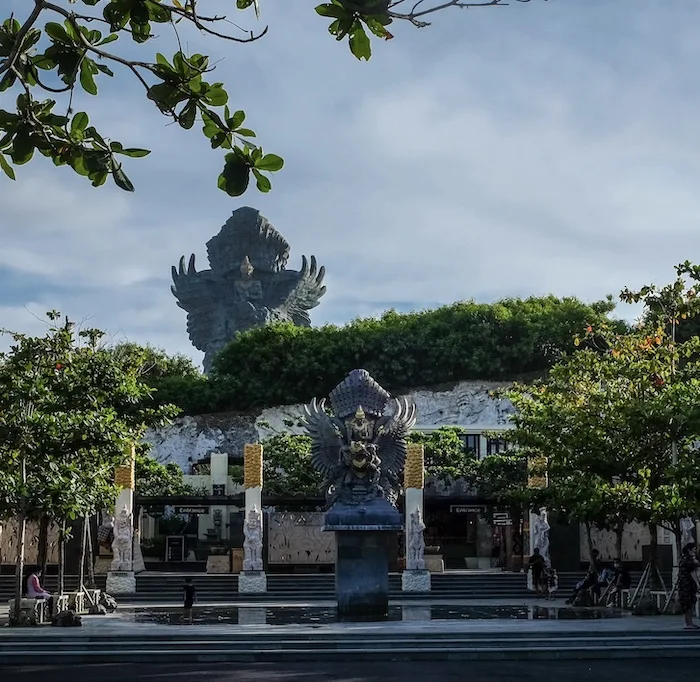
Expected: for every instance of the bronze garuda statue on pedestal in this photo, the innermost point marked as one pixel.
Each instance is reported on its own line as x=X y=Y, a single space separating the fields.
x=359 y=450
x=247 y=286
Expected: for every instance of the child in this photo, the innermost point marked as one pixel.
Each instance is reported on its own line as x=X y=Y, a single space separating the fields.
x=190 y=596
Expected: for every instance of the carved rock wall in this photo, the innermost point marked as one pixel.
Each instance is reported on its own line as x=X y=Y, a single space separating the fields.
x=299 y=538
x=9 y=540
x=466 y=404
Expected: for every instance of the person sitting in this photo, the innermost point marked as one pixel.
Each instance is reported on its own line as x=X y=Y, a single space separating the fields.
x=36 y=591
x=620 y=580
x=537 y=568
x=590 y=582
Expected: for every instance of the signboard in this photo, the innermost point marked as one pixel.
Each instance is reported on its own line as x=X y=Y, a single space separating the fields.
x=192 y=510
x=467 y=509
x=502 y=519
x=218 y=490
x=175 y=548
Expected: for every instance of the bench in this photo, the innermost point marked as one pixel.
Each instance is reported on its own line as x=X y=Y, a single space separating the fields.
x=659 y=598
x=76 y=602
x=33 y=610
x=60 y=603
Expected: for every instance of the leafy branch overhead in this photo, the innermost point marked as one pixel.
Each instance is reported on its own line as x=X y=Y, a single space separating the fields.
x=57 y=52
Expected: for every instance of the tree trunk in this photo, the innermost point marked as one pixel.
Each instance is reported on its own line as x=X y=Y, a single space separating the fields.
x=653 y=557
x=619 y=530
x=62 y=558
x=43 y=558
x=83 y=551
x=589 y=539
x=90 y=559
x=21 y=532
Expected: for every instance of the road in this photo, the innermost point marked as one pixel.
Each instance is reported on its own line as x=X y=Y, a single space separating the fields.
x=641 y=670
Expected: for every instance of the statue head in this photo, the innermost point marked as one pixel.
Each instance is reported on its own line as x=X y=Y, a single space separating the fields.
x=247 y=268
x=359 y=414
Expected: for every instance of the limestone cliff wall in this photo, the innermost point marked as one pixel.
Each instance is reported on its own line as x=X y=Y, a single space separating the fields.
x=467 y=404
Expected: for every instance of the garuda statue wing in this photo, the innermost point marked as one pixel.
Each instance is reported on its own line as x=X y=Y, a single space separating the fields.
x=392 y=431
x=293 y=293
x=196 y=293
x=326 y=438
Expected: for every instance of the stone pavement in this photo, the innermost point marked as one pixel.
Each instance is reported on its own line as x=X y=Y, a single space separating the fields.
x=117 y=638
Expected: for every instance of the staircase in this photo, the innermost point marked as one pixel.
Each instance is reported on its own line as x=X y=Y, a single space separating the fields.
x=164 y=588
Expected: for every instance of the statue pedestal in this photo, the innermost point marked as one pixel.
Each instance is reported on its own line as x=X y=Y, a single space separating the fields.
x=252 y=582
x=121 y=582
x=362 y=536
x=415 y=581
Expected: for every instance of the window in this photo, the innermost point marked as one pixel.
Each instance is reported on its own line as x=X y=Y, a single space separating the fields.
x=472 y=444
x=496 y=446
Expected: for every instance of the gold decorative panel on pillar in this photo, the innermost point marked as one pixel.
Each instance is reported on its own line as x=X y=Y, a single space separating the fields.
x=125 y=476
x=414 y=468
x=252 y=465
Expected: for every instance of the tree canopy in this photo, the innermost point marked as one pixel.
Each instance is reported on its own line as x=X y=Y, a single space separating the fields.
x=58 y=50
x=459 y=342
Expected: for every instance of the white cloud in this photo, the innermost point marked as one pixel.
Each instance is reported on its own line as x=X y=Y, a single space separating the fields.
x=533 y=149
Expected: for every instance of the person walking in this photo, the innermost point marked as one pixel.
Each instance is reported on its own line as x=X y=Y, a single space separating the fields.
x=190 y=595
x=687 y=584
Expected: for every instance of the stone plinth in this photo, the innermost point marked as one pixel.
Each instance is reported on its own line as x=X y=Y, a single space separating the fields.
x=121 y=582
x=434 y=563
x=252 y=582
x=237 y=556
x=102 y=565
x=415 y=581
x=218 y=564
x=362 y=536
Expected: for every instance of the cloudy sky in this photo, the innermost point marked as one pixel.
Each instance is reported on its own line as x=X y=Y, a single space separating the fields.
x=536 y=148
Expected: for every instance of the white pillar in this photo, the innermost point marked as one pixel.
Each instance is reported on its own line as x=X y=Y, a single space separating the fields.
x=414 y=481
x=253 y=581
x=124 y=581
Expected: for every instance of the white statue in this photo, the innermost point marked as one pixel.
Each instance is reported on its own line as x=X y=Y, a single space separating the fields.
x=416 y=543
x=122 y=543
x=687 y=528
x=252 y=545
x=540 y=536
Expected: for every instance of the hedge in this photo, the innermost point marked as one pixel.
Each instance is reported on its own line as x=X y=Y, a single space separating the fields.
x=285 y=364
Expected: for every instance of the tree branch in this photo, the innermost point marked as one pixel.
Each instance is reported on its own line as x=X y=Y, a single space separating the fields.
x=414 y=15
x=17 y=47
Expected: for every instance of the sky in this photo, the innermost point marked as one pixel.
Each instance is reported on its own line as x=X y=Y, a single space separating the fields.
x=545 y=147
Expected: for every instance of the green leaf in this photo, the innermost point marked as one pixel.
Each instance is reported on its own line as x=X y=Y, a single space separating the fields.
x=235 y=177
x=79 y=124
x=359 y=43
x=245 y=132
x=87 y=80
x=188 y=115
x=335 y=11
x=121 y=180
x=108 y=39
x=236 y=120
x=57 y=32
x=270 y=162
x=217 y=97
x=6 y=168
x=22 y=149
x=263 y=183
x=135 y=153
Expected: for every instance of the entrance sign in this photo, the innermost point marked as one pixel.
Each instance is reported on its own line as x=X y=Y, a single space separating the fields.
x=192 y=510
x=467 y=509
x=502 y=519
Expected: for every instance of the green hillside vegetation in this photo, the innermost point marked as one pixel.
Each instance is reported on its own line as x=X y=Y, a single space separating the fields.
x=284 y=364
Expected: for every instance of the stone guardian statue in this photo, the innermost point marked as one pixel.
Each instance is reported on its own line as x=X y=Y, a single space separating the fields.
x=246 y=286
x=415 y=556
x=123 y=542
x=252 y=544
x=541 y=535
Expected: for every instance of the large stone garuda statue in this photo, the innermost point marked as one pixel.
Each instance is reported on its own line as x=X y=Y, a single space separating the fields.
x=360 y=449
x=247 y=285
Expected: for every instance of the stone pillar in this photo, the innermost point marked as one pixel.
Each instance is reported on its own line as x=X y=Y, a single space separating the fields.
x=123 y=581
x=253 y=579
x=415 y=577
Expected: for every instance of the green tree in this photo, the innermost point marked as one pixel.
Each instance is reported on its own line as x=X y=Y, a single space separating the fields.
x=446 y=458
x=287 y=466
x=616 y=422
x=55 y=49
x=69 y=413
x=154 y=479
